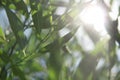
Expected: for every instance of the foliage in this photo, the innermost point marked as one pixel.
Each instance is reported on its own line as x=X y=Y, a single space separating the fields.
x=35 y=50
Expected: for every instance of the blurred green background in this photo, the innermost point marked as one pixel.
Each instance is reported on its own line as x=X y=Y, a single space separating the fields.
x=59 y=40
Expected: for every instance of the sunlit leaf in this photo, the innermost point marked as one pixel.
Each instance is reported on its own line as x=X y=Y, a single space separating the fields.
x=2 y=34
x=100 y=46
x=52 y=74
x=32 y=41
x=45 y=50
x=59 y=3
x=12 y=6
x=60 y=42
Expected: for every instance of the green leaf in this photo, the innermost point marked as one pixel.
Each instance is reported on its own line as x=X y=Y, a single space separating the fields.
x=32 y=41
x=90 y=76
x=3 y=74
x=21 y=6
x=36 y=15
x=2 y=34
x=41 y=18
x=41 y=22
x=37 y=20
x=17 y=5
x=99 y=47
x=12 y=6
x=52 y=75
x=58 y=43
x=35 y=5
x=17 y=28
x=111 y=1
x=119 y=10
x=18 y=72
x=5 y=58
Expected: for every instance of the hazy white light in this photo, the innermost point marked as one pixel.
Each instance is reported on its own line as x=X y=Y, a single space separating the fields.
x=94 y=15
x=63 y=32
x=100 y=64
x=114 y=10
x=60 y=10
x=28 y=32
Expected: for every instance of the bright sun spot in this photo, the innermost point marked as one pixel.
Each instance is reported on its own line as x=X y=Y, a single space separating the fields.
x=94 y=15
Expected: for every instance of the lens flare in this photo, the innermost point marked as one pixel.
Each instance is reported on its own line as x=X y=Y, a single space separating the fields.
x=94 y=15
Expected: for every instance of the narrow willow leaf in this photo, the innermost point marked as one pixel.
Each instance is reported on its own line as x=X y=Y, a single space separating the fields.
x=2 y=33
x=40 y=20
x=5 y=58
x=58 y=43
x=34 y=4
x=36 y=14
x=37 y=20
x=17 y=5
x=21 y=6
x=99 y=47
x=119 y=10
x=32 y=41
x=3 y=74
x=17 y=28
x=59 y=3
x=18 y=72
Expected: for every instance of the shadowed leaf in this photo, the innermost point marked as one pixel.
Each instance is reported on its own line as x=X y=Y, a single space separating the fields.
x=17 y=28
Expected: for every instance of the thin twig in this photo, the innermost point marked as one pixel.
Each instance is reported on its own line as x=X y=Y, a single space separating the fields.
x=26 y=19
x=12 y=49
